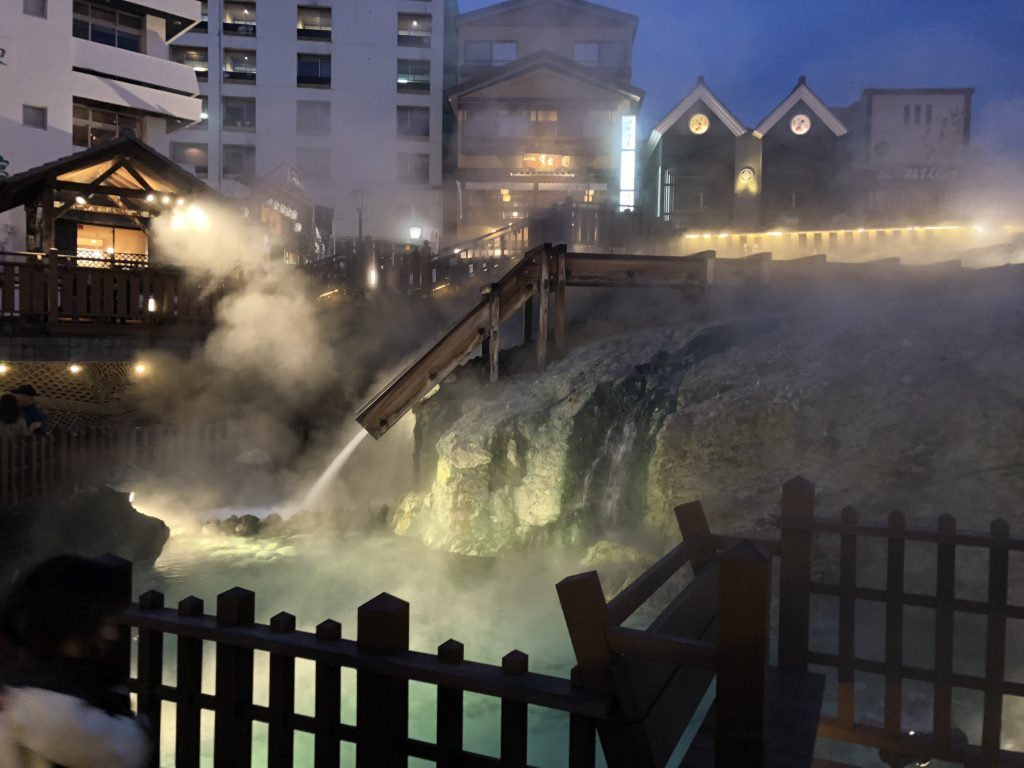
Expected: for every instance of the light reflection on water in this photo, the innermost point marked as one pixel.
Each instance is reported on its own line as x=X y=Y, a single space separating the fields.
x=492 y=606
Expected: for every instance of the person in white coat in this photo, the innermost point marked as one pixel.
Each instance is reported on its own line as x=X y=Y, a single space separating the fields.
x=62 y=702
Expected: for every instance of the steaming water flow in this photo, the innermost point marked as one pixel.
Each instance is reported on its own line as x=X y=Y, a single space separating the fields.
x=332 y=470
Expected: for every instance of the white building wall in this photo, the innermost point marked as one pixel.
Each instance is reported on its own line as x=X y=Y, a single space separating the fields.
x=37 y=69
x=362 y=141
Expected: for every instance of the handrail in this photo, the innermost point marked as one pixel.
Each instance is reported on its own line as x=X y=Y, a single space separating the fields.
x=475 y=677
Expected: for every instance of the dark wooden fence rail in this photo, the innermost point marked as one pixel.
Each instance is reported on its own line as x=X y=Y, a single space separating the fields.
x=800 y=528
x=384 y=666
x=64 y=460
x=56 y=290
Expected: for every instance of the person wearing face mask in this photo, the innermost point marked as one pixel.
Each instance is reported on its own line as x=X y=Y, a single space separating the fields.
x=63 y=703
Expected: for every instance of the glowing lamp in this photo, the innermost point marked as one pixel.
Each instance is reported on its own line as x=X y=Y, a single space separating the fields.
x=204 y=115
x=150 y=198
x=131 y=497
x=4 y=369
x=110 y=251
x=151 y=305
x=140 y=368
x=298 y=226
x=166 y=200
x=80 y=200
x=415 y=233
x=181 y=201
x=74 y=369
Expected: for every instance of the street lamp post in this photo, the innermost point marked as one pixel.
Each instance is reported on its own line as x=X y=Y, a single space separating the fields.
x=361 y=197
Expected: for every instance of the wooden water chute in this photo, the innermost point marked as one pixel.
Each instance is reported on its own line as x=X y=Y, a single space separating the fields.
x=543 y=270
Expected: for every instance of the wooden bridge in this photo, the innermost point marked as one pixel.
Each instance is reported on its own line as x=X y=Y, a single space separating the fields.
x=537 y=284
x=698 y=686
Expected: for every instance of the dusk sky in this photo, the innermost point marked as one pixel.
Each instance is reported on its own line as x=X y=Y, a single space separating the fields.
x=753 y=52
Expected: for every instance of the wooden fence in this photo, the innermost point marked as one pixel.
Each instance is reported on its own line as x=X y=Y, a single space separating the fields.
x=64 y=460
x=52 y=291
x=384 y=667
x=800 y=531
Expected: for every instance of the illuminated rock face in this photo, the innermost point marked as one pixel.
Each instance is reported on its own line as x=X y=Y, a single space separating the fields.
x=898 y=401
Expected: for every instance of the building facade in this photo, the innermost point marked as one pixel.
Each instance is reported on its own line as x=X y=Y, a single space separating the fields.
x=77 y=74
x=907 y=151
x=545 y=111
x=344 y=96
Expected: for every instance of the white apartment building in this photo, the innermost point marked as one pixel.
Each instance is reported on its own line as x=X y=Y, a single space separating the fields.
x=348 y=93
x=75 y=73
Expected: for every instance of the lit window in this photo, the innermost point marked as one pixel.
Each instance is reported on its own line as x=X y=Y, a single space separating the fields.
x=240 y=18
x=414 y=30
x=314 y=23
x=239 y=66
x=197 y=58
x=413 y=76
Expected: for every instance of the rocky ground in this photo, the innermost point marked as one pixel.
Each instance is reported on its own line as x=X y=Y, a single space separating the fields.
x=908 y=397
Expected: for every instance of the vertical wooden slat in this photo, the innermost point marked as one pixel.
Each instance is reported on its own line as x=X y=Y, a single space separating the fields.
x=6 y=490
x=150 y=672
x=945 y=594
x=189 y=686
x=582 y=736
x=449 y=709
x=280 y=736
x=894 y=626
x=693 y=525
x=795 y=574
x=529 y=307
x=543 y=289
x=744 y=622
x=995 y=644
x=847 y=614
x=121 y=651
x=382 y=703
x=514 y=714
x=232 y=733
x=327 y=706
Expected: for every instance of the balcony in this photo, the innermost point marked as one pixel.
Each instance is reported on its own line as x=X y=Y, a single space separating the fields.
x=126 y=79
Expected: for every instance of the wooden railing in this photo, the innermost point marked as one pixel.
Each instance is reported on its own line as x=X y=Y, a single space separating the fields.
x=801 y=532
x=69 y=293
x=384 y=667
x=63 y=460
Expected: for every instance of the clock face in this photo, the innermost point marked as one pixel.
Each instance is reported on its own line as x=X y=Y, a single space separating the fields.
x=800 y=125
x=747 y=175
x=699 y=124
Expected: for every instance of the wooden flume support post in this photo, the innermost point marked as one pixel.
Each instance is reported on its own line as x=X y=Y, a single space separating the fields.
x=494 y=332
x=544 y=290
x=560 y=299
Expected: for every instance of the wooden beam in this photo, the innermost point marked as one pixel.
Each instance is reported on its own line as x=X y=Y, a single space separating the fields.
x=599 y=270
x=544 y=288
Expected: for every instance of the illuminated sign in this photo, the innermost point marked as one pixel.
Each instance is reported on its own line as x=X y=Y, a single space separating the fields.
x=542 y=162
x=627 y=164
x=284 y=210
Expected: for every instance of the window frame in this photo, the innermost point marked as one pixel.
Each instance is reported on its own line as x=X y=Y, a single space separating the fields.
x=202 y=171
x=408 y=162
x=244 y=28
x=409 y=110
x=179 y=54
x=247 y=151
x=324 y=130
x=109 y=131
x=244 y=102
x=91 y=27
x=318 y=31
x=44 y=112
x=410 y=82
x=408 y=38
x=27 y=12
x=234 y=75
x=313 y=81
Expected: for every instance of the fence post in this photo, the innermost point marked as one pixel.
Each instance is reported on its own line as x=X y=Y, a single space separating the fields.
x=280 y=736
x=582 y=736
x=449 y=709
x=744 y=620
x=514 y=714
x=382 y=702
x=560 y=298
x=945 y=594
x=585 y=611
x=995 y=644
x=232 y=733
x=189 y=685
x=151 y=668
x=894 y=588
x=693 y=525
x=795 y=575
x=53 y=288
x=327 y=708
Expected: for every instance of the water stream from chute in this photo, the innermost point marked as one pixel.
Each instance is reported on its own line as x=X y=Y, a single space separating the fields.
x=332 y=470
